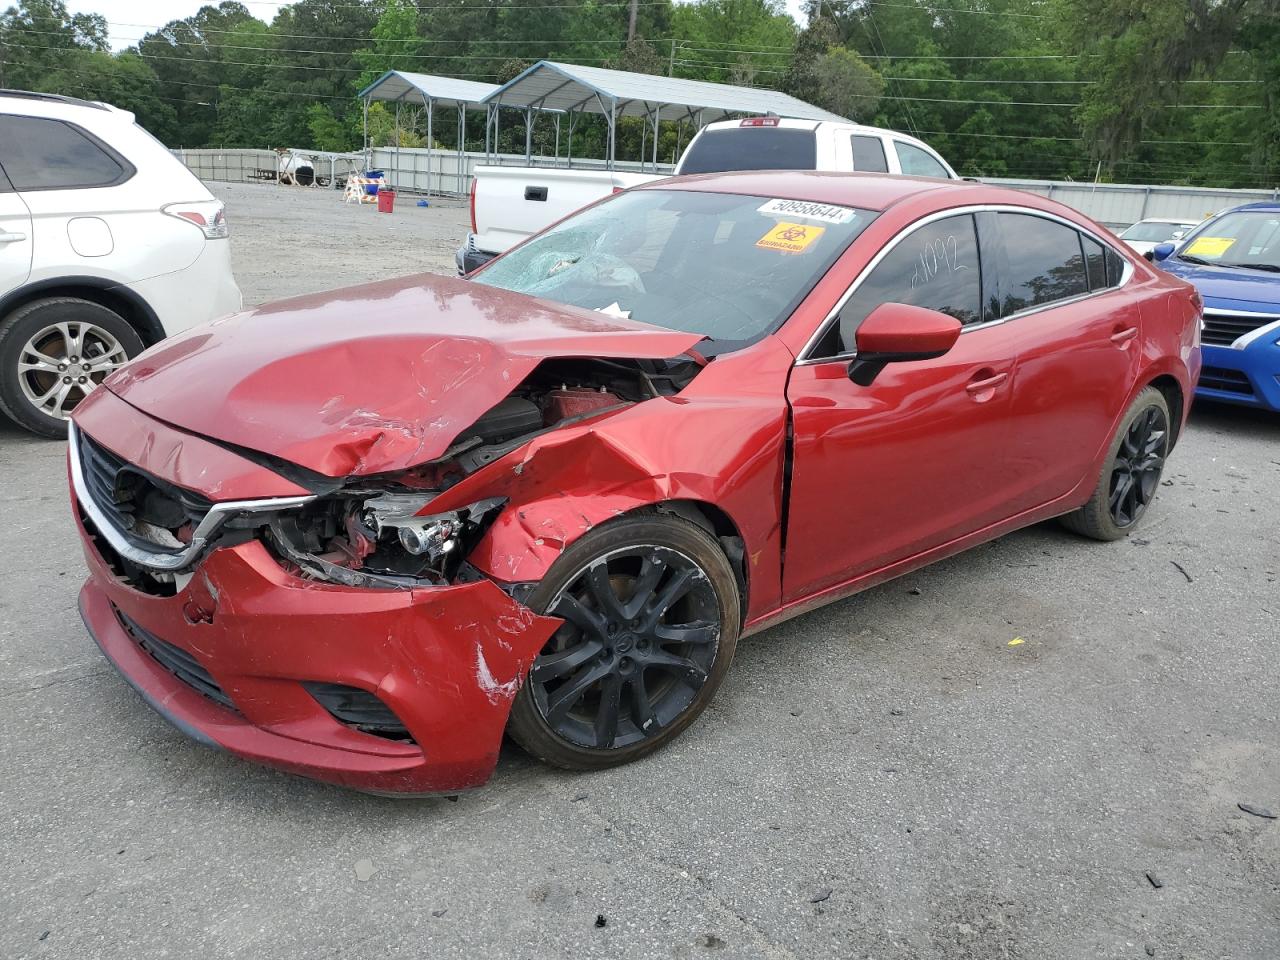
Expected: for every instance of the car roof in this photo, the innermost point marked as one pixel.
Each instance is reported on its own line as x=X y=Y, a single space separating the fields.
x=1269 y=205
x=51 y=98
x=870 y=191
x=794 y=123
x=1168 y=220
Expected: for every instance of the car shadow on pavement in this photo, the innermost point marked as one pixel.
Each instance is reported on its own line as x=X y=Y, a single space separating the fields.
x=1229 y=418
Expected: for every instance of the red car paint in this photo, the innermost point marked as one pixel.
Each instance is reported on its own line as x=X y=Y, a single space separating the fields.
x=372 y=378
x=1009 y=427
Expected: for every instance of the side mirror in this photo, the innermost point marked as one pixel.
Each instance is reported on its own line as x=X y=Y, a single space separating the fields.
x=1162 y=251
x=896 y=333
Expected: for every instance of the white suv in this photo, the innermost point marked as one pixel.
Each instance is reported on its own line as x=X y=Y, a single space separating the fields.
x=108 y=244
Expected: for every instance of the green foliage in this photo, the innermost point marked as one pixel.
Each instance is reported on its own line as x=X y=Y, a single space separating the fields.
x=1173 y=91
x=327 y=133
x=846 y=85
x=383 y=129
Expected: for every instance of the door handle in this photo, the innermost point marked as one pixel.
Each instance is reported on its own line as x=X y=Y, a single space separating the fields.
x=986 y=384
x=12 y=237
x=1124 y=335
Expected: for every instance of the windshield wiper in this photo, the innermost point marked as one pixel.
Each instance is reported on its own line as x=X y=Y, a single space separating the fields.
x=1190 y=259
x=1269 y=267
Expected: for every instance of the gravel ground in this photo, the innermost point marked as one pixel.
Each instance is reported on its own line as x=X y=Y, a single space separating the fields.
x=887 y=777
x=292 y=240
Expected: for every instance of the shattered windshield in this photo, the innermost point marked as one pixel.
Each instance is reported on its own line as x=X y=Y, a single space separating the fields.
x=727 y=266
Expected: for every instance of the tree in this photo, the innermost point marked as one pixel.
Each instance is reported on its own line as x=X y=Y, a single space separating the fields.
x=397 y=43
x=1142 y=54
x=638 y=56
x=801 y=79
x=1174 y=91
x=846 y=85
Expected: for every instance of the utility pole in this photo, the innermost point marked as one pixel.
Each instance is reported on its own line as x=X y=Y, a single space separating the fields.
x=631 y=26
x=671 y=70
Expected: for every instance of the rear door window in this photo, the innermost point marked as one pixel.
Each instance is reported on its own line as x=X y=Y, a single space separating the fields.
x=1115 y=267
x=917 y=163
x=1044 y=262
x=751 y=148
x=42 y=154
x=1095 y=263
x=935 y=266
x=868 y=154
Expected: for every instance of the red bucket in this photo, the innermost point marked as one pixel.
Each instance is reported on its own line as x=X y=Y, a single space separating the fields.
x=386 y=201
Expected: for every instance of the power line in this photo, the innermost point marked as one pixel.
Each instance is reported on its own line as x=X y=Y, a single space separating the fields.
x=935 y=10
x=1040 y=103
x=691 y=63
x=1015 y=136
x=996 y=82
x=231 y=86
x=924 y=8
x=721 y=45
x=241 y=63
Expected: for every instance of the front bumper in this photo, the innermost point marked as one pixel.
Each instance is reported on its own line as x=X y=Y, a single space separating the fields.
x=1249 y=376
x=447 y=661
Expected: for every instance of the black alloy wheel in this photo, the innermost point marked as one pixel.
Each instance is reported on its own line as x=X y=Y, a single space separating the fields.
x=1130 y=475
x=640 y=637
x=1135 y=473
x=651 y=617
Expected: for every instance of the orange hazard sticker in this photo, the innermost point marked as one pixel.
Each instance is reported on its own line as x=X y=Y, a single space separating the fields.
x=790 y=237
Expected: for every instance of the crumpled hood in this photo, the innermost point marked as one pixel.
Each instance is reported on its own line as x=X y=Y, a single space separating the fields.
x=372 y=378
x=1245 y=289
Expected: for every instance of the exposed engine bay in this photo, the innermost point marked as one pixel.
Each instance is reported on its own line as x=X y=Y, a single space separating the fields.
x=378 y=531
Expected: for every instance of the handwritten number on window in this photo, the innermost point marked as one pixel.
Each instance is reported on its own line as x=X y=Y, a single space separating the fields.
x=938 y=257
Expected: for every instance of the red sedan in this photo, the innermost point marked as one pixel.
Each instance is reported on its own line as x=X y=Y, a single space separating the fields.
x=361 y=535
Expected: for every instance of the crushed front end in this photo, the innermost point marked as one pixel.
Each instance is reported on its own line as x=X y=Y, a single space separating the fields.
x=331 y=628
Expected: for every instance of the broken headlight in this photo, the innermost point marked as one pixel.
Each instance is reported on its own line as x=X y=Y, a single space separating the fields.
x=380 y=538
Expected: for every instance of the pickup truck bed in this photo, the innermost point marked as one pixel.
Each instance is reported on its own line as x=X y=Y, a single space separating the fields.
x=509 y=204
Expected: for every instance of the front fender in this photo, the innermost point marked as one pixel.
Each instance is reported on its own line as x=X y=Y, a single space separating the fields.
x=721 y=442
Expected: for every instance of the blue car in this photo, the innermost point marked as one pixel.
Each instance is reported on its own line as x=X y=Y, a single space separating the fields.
x=1234 y=261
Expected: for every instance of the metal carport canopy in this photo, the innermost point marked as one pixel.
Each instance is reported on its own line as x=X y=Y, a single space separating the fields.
x=395 y=86
x=449 y=91
x=548 y=85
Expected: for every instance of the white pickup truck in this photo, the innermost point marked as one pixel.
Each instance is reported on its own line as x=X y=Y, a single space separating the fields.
x=509 y=204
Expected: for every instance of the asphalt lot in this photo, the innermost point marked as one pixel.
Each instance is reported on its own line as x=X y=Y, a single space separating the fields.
x=887 y=777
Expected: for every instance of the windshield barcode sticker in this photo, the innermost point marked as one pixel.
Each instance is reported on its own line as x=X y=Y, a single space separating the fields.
x=806 y=210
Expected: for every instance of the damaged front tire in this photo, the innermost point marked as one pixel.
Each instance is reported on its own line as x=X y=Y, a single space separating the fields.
x=652 y=616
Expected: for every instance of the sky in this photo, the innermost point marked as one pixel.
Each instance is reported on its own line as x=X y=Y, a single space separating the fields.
x=128 y=20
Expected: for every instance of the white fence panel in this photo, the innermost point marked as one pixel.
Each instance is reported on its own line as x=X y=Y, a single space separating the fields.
x=1120 y=204
x=417 y=170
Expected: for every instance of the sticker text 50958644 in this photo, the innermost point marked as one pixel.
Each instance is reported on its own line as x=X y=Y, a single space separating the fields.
x=807 y=210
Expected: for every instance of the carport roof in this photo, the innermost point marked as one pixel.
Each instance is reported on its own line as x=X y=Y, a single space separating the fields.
x=548 y=85
x=398 y=84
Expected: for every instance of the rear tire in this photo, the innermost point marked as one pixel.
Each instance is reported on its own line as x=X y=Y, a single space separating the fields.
x=1131 y=472
x=652 y=615
x=54 y=353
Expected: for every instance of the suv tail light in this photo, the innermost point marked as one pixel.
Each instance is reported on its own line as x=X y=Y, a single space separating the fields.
x=759 y=122
x=209 y=215
x=473 y=205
